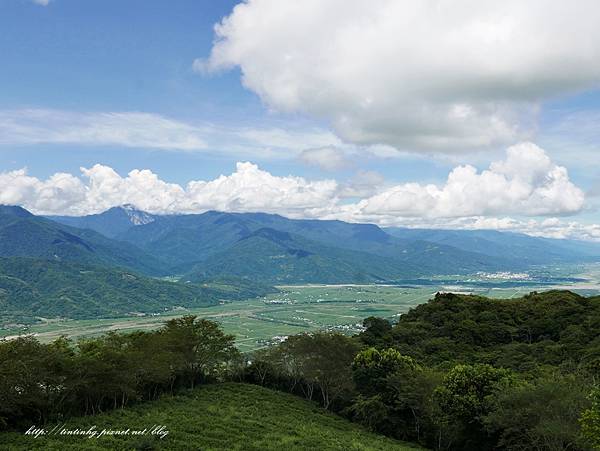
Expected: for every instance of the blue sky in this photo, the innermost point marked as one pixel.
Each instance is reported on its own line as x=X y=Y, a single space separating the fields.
x=115 y=56
x=299 y=90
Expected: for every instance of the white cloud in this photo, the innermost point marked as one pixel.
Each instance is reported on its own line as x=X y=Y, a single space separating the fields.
x=363 y=184
x=251 y=189
x=414 y=74
x=327 y=158
x=129 y=129
x=287 y=139
x=247 y=189
x=525 y=183
x=548 y=228
x=58 y=193
x=141 y=188
x=154 y=131
x=41 y=2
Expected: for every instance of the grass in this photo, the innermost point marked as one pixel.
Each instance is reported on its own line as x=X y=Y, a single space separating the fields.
x=229 y=416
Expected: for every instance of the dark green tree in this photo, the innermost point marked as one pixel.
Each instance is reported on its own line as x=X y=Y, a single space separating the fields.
x=377 y=331
x=539 y=415
x=201 y=347
x=323 y=361
x=466 y=396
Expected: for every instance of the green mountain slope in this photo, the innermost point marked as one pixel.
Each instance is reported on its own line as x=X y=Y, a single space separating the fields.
x=42 y=288
x=549 y=328
x=220 y=417
x=182 y=241
x=25 y=235
x=428 y=257
x=185 y=240
x=278 y=257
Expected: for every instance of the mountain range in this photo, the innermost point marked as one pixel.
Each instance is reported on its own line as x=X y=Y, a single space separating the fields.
x=271 y=248
x=117 y=262
x=23 y=234
x=516 y=247
x=276 y=249
x=281 y=250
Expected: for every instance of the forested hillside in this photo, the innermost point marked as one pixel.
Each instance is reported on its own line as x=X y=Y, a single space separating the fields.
x=321 y=250
x=460 y=373
x=31 y=288
x=61 y=381
x=550 y=328
x=25 y=235
x=278 y=257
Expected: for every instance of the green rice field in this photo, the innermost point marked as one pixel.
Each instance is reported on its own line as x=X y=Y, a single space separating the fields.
x=295 y=309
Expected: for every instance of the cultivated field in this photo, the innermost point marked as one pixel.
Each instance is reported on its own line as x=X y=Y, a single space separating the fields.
x=296 y=309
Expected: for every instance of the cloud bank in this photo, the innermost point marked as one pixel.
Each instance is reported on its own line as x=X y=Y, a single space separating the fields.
x=247 y=189
x=525 y=183
x=415 y=74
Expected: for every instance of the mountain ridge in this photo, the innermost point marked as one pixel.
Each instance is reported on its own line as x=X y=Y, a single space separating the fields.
x=23 y=234
x=189 y=243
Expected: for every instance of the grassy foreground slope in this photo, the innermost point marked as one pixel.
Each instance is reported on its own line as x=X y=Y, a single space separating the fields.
x=227 y=416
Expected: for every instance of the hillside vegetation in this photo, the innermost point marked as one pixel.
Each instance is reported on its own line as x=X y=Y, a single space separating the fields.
x=279 y=258
x=461 y=373
x=229 y=416
x=25 y=235
x=551 y=328
x=45 y=288
x=205 y=240
x=135 y=375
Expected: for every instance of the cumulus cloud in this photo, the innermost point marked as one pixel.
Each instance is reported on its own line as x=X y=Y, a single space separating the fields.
x=433 y=75
x=247 y=189
x=327 y=158
x=142 y=188
x=59 y=193
x=252 y=189
x=525 y=183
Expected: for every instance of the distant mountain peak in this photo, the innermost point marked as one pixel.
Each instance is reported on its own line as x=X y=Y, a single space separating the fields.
x=136 y=217
x=14 y=210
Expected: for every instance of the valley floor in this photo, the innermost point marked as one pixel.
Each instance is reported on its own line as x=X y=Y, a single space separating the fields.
x=231 y=416
x=296 y=309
